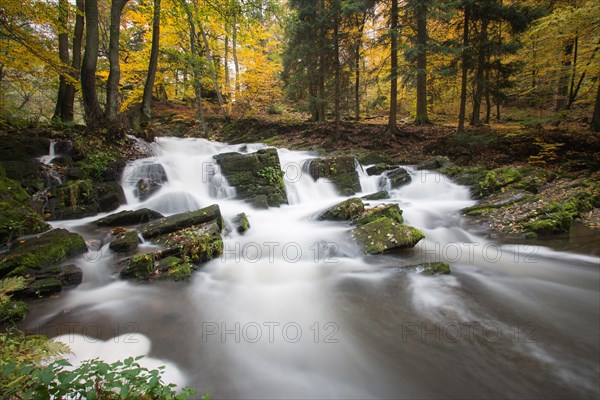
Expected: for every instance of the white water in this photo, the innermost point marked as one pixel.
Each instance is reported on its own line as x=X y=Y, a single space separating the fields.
x=294 y=310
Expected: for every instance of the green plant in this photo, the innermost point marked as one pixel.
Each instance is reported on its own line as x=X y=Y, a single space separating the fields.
x=273 y=175
x=11 y=310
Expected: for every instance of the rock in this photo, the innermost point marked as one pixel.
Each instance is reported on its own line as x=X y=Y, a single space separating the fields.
x=129 y=217
x=344 y=211
x=140 y=266
x=241 y=223
x=168 y=262
x=70 y=275
x=175 y=268
x=433 y=163
x=398 y=177
x=125 y=243
x=181 y=221
x=391 y=211
x=110 y=196
x=341 y=171
x=63 y=147
x=261 y=202
x=255 y=174
x=42 y=251
x=23 y=147
x=431 y=268
x=379 y=169
x=381 y=195
x=153 y=176
x=373 y=158
x=17 y=216
x=195 y=244
x=386 y=234
x=44 y=287
x=72 y=200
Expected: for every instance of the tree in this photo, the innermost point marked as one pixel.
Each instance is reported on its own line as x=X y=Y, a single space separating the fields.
x=392 y=120
x=464 y=68
x=63 y=54
x=112 y=86
x=152 y=64
x=68 y=112
x=92 y=111
x=420 y=9
x=596 y=115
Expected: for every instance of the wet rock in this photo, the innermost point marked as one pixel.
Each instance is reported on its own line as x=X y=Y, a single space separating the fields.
x=196 y=244
x=391 y=211
x=129 y=217
x=385 y=234
x=70 y=275
x=150 y=179
x=181 y=221
x=125 y=243
x=431 y=268
x=110 y=196
x=255 y=174
x=341 y=171
x=344 y=211
x=379 y=169
x=42 y=251
x=140 y=266
x=241 y=223
x=17 y=215
x=398 y=177
x=44 y=287
x=260 y=202
x=381 y=195
x=373 y=158
x=433 y=163
x=72 y=200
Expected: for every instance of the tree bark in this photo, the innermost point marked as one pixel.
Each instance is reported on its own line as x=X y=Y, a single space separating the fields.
x=421 y=19
x=236 y=64
x=195 y=66
x=336 y=51
x=68 y=111
x=63 y=55
x=153 y=64
x=479 y=76
x=112 y=86
x=213 y=70
x=563 y=81
x=596 y=115
x=88 y=68
x=393 y=121
x=464 y=73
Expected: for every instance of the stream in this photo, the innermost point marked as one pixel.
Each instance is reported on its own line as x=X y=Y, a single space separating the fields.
x=294 y=309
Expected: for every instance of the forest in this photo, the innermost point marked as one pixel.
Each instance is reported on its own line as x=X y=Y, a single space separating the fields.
x=299 y=199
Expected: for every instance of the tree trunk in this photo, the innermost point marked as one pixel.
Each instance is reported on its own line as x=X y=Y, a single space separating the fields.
x=464 y=73
x=357 y=48
x=563 y=81
x=226 y=66
x=236 y=64
x=88 y=68
x=336 y=51
x=63 y=55
x=112 y=85
x=68 y=111
x=392 y=122
x=213 y=70
x=596 y=116
x=479 y=76
x=195 y=66
x=321 y=103
x=153 y=64
x=421 y=19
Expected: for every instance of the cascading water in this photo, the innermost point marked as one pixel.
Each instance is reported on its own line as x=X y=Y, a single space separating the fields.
x=294 y=310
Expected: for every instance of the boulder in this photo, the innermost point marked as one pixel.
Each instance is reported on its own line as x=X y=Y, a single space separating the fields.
x=42 y=251
x=398 y=177
x=110 y=196
x=344 y=211
x=44 y=287
x=431 y=268
x=373 y=158
x=129 y=217
x=175 y=268
x=17 y=216
x=181 y=221
x=391 y=211
x=241 y=223
x=72 y=200
x=381 y=195
x=150 y=179
x=140 y=266
x=17 y=157
x=341 y=171
x=433 y=163
x=125 y=243
x=255 y=174
x=385 y=234
x=195 y=244
x=70 y=275
x=379 y=169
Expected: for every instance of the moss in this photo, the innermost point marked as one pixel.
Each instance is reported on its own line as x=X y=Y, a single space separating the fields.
x=75 y=199
x=13 y=311
x=168 y=262
x=44 y=287
x=344 y=211
x=241 y=222
x=432 y=268
x=341 y=171
x=43 y=251
x=17 y=218
x=382 y=195
x=139 y=266
x=499 y=178
x=193 y=244
x=125 y=243
x=181 y=272
x=391 y=211
x=385 y=234
x=177 y=222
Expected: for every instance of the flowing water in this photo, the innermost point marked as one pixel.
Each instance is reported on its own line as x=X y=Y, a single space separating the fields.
x=293 y=309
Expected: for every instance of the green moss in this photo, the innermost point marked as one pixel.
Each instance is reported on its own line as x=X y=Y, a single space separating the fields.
x=125 y=243
x=181 y=272
x=17 y=218
x=344 y=211
x=139 y=266
x=13 y=311
x=382 y=195
x=44 y=287
x=341 y=171
x=433 y=268
x=241 y=222
x=391 y=211
x=385 y=234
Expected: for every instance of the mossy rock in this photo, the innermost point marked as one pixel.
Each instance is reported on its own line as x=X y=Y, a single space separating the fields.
x=379 y=169
x=168 y=262
x=125 y=243
x=431 y=268
x=381 y=195
x=17 y=217
x=23 y=147
x=181 y=272
x=385 y=234
x=369 y=158
x=341 y=171
x=44 y=287
x=255 y=174
x=73 y=200
x=398 y=177
x=241 y=223
x=43 y=251
x=140 y=266
x=391 y=211
x=344 y=211
x=70 y=275
x=129 y=217
x=153 y=179
x=110 y=196
x=181 y=221
x=433 y=163
x=195 y=244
